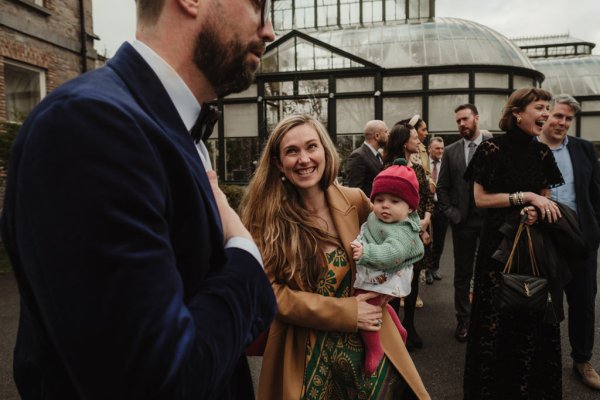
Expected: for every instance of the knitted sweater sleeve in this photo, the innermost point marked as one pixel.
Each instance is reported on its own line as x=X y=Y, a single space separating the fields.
x=393 y=253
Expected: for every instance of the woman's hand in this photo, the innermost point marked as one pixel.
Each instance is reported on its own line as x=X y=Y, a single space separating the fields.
x=532 y=215
x=425 y=237
x=548 y=209
x=370 y=316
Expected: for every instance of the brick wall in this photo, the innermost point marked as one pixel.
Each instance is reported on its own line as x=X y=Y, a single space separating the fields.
x=47 y=37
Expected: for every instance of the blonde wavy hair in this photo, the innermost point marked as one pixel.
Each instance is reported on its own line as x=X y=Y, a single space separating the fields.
x=287 y=234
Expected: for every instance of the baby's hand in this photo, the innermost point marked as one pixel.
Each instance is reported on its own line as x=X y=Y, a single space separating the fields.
x=357 y=249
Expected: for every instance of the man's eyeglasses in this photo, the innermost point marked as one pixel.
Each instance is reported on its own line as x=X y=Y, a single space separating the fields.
x=264 y=12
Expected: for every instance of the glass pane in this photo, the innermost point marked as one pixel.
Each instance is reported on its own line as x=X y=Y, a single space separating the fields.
x=353 y=114
x=521 y=82
x=590 y=105
x=490 y=110
x=250 y=92
x=399 y=108
x=213 y=150
x=491 y=80
x=306 y=55
x=283 y=16
x=589 y=127
x=448 y=81
x=285 y=88
x=395 y=10
x=240 y=120
x=363 y=84
x=424 y=8
x=276 y=110
x=286 y=56
x=441 y=111
x=411 y=82
x=240 y=157
x=316 y=86
x=23 y=90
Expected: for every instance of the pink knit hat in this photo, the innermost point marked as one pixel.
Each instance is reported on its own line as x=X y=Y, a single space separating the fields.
x=398 y=180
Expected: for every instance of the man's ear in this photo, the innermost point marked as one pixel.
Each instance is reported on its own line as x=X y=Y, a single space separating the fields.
x=190 y=7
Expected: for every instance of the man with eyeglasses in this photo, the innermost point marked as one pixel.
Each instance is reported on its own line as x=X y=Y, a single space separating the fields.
x=137 y=279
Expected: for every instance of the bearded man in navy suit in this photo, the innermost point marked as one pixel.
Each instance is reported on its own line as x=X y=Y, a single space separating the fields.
x=578 y=163
x=137 y=279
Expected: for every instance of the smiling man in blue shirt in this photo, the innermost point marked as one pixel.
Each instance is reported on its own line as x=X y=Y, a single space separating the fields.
x=578 y=163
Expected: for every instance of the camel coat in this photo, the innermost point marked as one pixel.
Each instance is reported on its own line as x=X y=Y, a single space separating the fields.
x=284 y=359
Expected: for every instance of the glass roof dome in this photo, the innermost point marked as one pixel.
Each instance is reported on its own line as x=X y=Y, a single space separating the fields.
x=577 y=76
x=444 y=41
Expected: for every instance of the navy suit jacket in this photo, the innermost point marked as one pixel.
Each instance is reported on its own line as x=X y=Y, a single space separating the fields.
x=586 y=171
x=127 y=291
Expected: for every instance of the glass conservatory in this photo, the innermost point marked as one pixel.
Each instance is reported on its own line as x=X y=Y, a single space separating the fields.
x=349 y=61
x=570 y=67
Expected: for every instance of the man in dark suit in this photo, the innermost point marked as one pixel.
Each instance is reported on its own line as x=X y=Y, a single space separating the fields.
x=455 y=200
x=137 y=279
x=365 y=163
x=439 y=222
x=578 y=163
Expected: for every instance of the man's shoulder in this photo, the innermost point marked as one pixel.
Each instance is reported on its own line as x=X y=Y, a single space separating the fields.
x=360 y=151
x=579 y=141
x=453 y=146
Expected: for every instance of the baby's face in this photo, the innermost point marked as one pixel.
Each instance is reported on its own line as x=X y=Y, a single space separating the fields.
x=389 y=208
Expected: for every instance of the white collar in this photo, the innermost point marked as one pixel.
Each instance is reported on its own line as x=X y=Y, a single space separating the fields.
x=375 y=152
x=477 y=140
x=186 y=104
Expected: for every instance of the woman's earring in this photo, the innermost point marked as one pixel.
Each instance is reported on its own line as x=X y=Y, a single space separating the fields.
x=282 y=178
x=519 y=119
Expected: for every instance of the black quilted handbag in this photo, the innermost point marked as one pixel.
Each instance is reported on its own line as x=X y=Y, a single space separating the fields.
x=522 y=293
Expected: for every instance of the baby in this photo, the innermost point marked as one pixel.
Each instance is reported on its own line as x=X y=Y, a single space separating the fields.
x=387 y=247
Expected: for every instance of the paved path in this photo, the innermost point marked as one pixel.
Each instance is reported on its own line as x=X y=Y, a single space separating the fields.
x=440 y=362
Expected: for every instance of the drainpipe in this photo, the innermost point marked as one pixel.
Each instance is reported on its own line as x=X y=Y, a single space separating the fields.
x=83 y=52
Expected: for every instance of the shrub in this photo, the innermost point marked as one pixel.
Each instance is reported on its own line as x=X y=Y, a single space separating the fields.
x=234 y=194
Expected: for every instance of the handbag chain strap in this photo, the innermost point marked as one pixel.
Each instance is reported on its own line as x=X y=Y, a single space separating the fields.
x=534 y=267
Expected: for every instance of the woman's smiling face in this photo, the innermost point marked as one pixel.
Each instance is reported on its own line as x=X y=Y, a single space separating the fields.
x=533 y=117
x=302 y=157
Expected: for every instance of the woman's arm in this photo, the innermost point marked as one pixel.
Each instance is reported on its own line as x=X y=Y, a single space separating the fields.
x=314 y=311
x=547 y=208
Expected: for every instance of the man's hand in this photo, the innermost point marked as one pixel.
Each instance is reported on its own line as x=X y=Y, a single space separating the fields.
x=232 y=225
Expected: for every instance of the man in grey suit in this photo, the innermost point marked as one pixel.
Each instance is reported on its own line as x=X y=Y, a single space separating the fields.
x=365 y=162
x=578 y=163
x=455 y=200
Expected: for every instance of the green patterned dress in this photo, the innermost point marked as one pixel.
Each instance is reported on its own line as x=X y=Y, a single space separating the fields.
x=335 y=360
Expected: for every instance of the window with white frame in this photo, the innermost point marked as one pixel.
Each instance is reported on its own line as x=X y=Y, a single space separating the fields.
x=24 y=87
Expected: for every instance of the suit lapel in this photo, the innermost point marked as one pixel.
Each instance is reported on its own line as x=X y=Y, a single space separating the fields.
x=151 y=96
x=371 y=158
x=460 y=148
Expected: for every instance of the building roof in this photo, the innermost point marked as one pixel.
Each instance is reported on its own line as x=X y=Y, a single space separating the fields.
x=443 y=41
x=577 y=76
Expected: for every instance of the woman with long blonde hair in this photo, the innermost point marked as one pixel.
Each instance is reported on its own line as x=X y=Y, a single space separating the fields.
x=303 y=222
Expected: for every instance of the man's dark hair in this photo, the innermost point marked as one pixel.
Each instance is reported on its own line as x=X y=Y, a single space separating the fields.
x=148 y=11
x=467 y=106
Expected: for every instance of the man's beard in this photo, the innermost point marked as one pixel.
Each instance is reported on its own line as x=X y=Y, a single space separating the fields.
x=224 y=63
x=467 y=133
